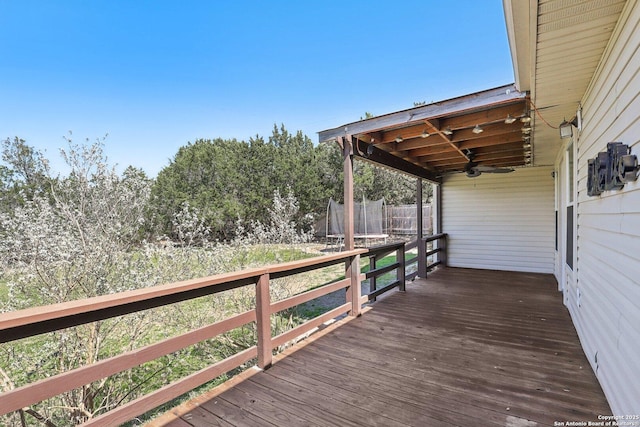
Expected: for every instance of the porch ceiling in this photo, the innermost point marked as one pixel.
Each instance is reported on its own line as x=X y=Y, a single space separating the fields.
x=439 y=138
x=556 y=46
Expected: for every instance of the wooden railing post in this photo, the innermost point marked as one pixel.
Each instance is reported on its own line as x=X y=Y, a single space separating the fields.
x=422 y=246
x=401 y=273
x=442 y=256
x=352 y=272
x=263 y=322
x=373 y=281
x=440 y=250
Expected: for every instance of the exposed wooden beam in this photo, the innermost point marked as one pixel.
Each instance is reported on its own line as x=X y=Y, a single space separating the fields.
x=497 y=161
x=492 y=115
x=383 y=158
x=372 y=137
x=496 y=140
x=440 y=156
x=435 y=149
x=406 y=133
x=513 y=146
x=418 y=143
x=499 y=156
x=490 y=130
x=484 y=160
x=504 y=161
x=446 y=137
x=448 y=162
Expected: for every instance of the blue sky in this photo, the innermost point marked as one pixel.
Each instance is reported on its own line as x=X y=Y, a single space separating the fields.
x=155 y=75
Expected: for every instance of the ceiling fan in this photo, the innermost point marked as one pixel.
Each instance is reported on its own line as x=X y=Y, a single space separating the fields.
x=473 y=169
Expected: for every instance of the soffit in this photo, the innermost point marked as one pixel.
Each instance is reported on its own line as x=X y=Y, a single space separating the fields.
x=567 y=46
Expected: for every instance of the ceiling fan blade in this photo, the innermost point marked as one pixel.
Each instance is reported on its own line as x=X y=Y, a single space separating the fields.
x=492 y=169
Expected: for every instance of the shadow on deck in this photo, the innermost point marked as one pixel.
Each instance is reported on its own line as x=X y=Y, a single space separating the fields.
x=465 y=347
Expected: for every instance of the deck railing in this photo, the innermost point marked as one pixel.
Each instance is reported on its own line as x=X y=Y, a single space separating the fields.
x=440 y=249
x=401 y=265
x=38 y=320
x=25 y=323
x=375 y=254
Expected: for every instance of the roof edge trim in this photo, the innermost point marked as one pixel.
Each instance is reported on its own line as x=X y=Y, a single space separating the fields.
x=499 y=95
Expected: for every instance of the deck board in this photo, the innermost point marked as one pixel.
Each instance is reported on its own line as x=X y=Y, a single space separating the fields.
x=465 y=347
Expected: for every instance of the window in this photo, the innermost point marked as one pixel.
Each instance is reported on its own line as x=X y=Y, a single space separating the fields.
x=570 y=190
x=570 y=174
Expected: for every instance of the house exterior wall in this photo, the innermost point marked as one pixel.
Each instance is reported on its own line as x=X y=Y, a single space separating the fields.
x=501 y=221
x=607 y=273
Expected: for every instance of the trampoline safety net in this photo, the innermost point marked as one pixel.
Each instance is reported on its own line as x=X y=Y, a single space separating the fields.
x=369 y=219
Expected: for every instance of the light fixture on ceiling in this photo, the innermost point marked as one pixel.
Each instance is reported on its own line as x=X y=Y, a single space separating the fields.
x=526 y=129
x=525 y=119
x=510 y=119
x=425 y=134
x=526 y=145
x=447 y=131
x=566 y=128
x=399 y=139
x=477 y=129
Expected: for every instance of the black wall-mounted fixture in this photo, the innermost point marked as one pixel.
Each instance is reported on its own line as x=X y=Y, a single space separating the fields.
x=597 y=173
x=611 y=169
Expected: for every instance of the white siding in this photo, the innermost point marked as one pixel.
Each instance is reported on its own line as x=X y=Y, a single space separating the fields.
x=501 y=221
x=608 y=253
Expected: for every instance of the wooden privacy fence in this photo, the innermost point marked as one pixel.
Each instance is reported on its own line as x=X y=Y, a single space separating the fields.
x=38 y=320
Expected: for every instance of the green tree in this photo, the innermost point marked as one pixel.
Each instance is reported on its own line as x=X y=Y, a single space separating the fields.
x=24 y=174
x=207 y=175
x=330 y=172
x=227 y=180
x=296 y=168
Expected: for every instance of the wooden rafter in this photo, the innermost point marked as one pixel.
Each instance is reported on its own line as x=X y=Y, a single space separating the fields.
x=445 y=137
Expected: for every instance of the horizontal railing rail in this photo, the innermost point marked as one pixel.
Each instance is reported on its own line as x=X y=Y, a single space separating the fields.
x=34 y=321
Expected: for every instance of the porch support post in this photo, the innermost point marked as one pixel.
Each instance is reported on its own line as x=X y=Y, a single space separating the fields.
x=352 y=265
x=422 y=246
x=347 y=157
x=437 y=199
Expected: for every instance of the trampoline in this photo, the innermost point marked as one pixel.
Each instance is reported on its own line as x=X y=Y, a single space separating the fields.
x=369 y=219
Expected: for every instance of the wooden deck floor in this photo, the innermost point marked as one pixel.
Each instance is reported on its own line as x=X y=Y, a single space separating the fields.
x=464 y=348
